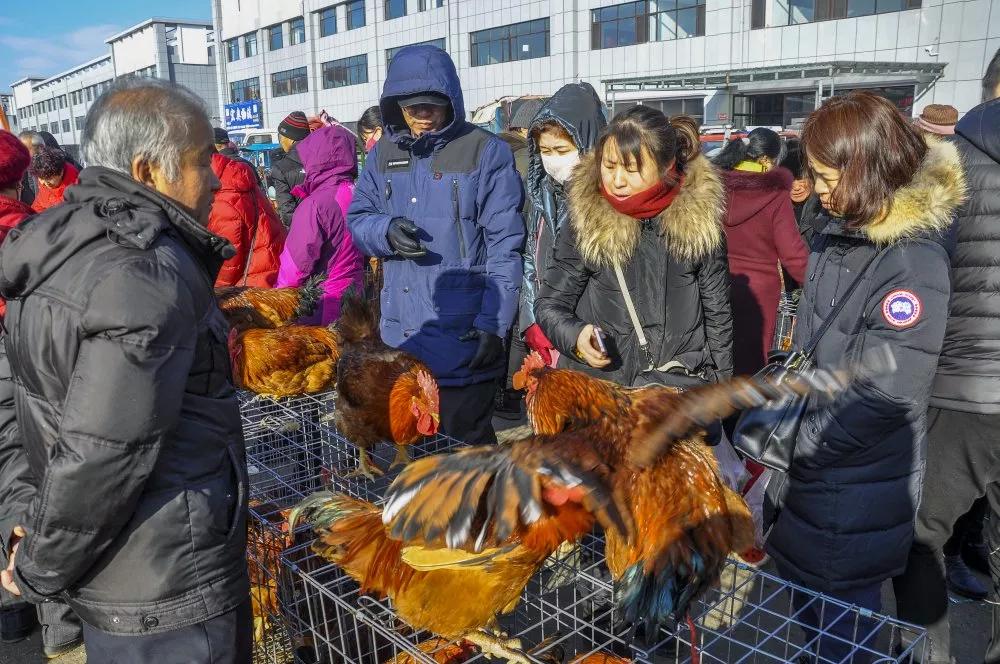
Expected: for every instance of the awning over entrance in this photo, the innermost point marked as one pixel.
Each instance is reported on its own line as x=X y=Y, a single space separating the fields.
x=783 y=77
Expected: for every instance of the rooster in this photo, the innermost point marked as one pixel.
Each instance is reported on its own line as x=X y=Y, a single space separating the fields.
x=383 y=394
x=285 y=361
x=262 y=566
x=440 y=650
x=245 y=307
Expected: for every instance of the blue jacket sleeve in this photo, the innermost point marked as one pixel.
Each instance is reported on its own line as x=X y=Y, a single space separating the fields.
x=369 y=215
x=499 y=202
x=874 y=405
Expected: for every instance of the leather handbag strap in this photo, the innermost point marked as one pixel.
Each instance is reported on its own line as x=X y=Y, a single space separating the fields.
x=637 y=324
x=810 y=348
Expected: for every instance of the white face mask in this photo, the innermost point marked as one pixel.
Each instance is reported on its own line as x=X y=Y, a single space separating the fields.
x=560 y=167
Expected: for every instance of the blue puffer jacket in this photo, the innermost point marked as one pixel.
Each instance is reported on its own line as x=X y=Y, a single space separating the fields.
x=460 y=187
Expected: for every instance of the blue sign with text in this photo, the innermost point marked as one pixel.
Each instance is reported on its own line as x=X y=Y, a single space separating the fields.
x=244 y=114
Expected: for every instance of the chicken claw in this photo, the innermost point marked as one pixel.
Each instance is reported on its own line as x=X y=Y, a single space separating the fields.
x=498 y=647
x=402 y=457
x=366 y=468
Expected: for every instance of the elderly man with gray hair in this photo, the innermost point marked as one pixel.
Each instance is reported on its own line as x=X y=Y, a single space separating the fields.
x=123 y=484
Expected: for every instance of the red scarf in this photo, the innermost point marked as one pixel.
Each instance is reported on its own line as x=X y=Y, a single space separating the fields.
x=648 y=203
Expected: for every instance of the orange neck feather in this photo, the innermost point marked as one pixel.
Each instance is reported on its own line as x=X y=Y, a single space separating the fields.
x=402 y=422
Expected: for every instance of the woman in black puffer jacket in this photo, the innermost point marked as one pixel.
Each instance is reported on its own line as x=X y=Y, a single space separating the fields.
x=647 y=202
x=853 y=486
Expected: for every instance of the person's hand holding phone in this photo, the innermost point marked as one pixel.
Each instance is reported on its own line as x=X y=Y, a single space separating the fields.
x=589 y=347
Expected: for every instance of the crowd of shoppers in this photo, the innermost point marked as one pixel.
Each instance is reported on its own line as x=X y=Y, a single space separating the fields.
x=611 y=246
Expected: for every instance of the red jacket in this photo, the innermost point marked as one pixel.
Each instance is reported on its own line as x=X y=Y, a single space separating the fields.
x=12 y=212
x=46 y=197
x=761 y=233
x=244 y=216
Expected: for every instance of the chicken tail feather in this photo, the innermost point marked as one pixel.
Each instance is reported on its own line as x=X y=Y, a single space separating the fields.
x=357 y=320
x=309 y=296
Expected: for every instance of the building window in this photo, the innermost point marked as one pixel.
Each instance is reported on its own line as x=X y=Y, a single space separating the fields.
x=62 y=101
x=250 y=45
x=808 y=11
x=232 y=49
x=346 y=71
x=79 y=122
x=644 y=21
x=65 y=126
x=355 y=14
x=297 y=31
x=758 y=14
x=244 y=90
x=328 y=22
x=424 y=5
x=54 y=128
x=520 y=41
x=390 y=53
x=676 y=19
x=275 y=37
x=619 y=25
x=291 y=82
x=394 y=9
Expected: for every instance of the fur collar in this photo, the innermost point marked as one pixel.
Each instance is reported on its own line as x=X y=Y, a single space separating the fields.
x=928 y=203
x=692 y=225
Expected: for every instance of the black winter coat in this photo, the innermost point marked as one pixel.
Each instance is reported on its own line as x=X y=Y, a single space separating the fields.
x=675 y=268
x=578 y=110
x=968 y=374
x=854 y=484
x=135 y=499
x=287 y=173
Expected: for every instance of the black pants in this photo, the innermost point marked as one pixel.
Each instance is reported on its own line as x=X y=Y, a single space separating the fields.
x=467 y=412
x=225 y=639
x=963 y=464
x=968 y=529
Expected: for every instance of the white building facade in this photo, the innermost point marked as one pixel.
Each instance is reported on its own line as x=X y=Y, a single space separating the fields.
x=786 y=55
x=178 y=50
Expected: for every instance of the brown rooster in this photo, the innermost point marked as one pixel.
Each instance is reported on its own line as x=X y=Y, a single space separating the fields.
x=383 y=394
x=440 y=650
x=262 y=565
x=245 y=307
x=285 y=361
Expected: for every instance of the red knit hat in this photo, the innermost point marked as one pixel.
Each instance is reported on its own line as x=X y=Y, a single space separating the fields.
x=14 y=159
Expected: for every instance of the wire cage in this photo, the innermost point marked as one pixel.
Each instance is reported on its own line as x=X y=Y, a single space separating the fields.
x=566 y=613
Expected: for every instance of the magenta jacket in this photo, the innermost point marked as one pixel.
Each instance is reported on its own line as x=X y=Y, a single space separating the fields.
x=319 y=241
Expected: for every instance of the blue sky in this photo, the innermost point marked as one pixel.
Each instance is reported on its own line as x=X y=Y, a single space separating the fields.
x=45 y=38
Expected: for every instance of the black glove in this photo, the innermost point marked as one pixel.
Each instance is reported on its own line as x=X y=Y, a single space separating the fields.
x=489 y=351
x=402 y=238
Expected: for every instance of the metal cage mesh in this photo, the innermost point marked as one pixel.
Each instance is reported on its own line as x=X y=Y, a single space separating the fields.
x=309 y=611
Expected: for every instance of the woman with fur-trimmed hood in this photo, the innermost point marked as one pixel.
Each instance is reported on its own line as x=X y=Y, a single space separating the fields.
x=645 y=213
x=854 y=483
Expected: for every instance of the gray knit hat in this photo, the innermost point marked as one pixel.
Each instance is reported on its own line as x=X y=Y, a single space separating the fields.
x=525 y=113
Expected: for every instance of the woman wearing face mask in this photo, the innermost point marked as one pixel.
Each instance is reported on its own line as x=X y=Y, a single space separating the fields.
x=644 y=233
x=370 y=127
x=762 y=237
x=567 y=125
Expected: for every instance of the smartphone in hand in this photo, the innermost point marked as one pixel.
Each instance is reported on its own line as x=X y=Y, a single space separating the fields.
x=599 y=343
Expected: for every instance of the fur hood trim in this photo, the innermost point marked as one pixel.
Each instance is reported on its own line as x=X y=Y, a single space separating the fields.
x=692 y=225
x=928 y=203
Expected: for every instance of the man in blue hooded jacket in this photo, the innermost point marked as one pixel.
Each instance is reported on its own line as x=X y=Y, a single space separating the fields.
x=439 y=201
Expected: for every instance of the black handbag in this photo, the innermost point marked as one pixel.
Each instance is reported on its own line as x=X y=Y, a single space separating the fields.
x=767 y=433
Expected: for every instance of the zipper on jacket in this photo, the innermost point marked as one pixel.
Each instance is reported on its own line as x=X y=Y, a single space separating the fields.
x=388 y=189
x=458 y=217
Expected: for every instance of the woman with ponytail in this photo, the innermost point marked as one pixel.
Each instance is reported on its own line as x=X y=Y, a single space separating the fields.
x=763 y=238
x=637 y=289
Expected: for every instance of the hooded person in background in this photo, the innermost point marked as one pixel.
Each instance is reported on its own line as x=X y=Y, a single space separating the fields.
x=129 y=469
x=564 y=129
x=225 y=146
x=319 y=241
x=287 y=170
x=762 y=238
x=439 y=200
